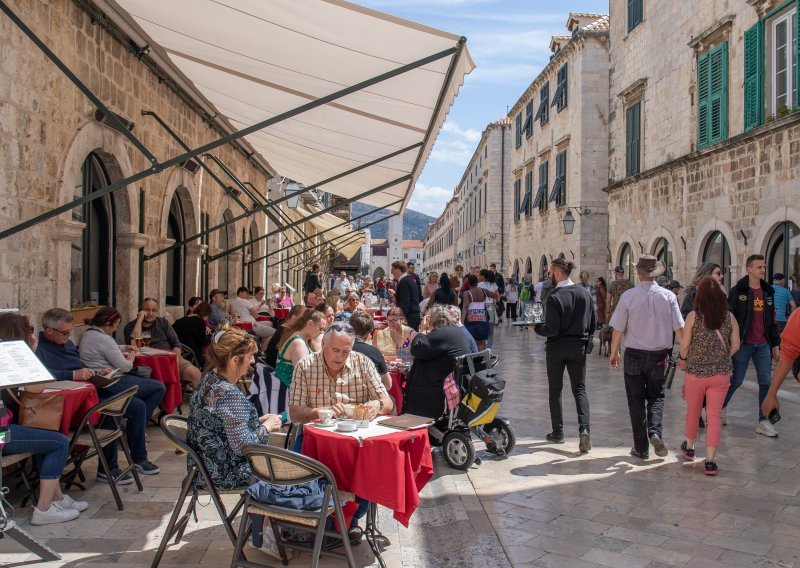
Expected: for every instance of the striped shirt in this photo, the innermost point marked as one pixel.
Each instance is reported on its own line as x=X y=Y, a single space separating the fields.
x=357 y=383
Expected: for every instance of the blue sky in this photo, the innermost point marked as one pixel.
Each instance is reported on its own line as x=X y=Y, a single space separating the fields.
x=508 y=40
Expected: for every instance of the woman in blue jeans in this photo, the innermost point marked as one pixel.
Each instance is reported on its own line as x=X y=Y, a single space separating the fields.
x=49 y=449
x=101 y=353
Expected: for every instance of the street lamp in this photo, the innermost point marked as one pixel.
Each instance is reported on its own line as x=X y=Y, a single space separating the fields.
x=569 y=222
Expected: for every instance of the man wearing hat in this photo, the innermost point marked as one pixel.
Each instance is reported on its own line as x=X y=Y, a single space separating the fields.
x=218 y=314
x=784 y=303
x=648 y=315
x=616 y=288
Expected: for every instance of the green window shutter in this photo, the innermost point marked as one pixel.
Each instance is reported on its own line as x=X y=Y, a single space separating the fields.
x=633 y=124
x=712 y=96
x=518 y=123
x=754 y=76
x=516 y=199
x=702 y=100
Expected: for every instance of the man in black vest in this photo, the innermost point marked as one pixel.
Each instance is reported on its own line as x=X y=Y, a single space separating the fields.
x=569 y=326
x=313 y=280
x=406 y=297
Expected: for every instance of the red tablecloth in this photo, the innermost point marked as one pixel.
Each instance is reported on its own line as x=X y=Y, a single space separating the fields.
x=389 y=470
x=262 y=318
x=165 y=369
x=281 y=313
x=398 y=386
x=245 y=325
x=77 y=402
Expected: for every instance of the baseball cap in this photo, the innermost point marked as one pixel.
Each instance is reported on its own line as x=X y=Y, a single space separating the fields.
x=619 y=270
x=674 y=284
x=777 y=276
x=662 y=281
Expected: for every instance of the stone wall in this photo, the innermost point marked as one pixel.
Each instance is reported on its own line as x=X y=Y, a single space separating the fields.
x=47 y=129
x=580 y=130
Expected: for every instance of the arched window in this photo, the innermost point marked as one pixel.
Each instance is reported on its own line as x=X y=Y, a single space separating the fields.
x=780 y=257
x=227 y=237
x=663 y=252
x=718 y=252
x=253 y=252
x=92 y=260
x=528 y=266
x=176 y=257
x=626 y=260
x=543 y=269
x=516 y=268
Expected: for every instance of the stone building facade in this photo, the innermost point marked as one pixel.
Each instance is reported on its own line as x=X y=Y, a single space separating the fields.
x=440 y=244
x=559 y=155
x=53 y=149
x=473 y=229
x=704 y=138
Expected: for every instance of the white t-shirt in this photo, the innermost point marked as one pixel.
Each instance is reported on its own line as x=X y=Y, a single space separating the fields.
x=537 y=288
x=489 y=287
x=241 y=307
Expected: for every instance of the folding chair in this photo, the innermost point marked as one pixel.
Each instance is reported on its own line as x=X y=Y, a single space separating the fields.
x=175 y=428
x=16 y=464
x=281 y=467
x=88 y=441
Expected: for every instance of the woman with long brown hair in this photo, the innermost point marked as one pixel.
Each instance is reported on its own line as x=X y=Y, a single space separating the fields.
x=296 y=343
x=710 y=338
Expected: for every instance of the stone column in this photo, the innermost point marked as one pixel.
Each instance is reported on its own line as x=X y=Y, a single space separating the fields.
x=234 y=261
x=127 y=267
x=66 y=232
x=194 y=252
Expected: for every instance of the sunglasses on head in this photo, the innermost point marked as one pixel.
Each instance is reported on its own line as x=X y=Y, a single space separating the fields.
x=342 y=328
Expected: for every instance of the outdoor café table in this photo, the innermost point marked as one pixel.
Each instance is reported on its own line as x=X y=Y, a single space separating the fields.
x=244 y=325
x=165 y=369
x=79 y=398
x=398 y=387
x=383 y=465
x=263 y=318
x=281 y=313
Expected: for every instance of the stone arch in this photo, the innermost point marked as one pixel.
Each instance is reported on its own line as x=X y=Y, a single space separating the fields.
x=705 y=232
x=112 y=149
x=677 y=251
x=378 y=273
x=767 y=227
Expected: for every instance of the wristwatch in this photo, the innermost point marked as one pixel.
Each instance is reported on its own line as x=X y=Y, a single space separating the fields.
x=681 y=357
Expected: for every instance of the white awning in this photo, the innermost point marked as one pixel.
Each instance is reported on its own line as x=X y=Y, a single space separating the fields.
x=256 y=59
x=344 y=237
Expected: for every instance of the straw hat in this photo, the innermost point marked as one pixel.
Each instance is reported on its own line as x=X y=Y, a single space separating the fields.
x=649 y=266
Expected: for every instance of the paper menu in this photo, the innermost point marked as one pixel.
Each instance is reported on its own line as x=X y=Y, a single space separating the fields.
x=19 y=366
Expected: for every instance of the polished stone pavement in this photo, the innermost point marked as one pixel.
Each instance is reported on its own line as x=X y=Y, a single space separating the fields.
x=545 y=506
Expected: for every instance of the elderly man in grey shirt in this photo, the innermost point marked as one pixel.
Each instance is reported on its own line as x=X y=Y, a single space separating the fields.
x=648 y=315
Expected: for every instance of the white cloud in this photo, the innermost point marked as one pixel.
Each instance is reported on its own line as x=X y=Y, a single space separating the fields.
x=429 y=200
x=470 y=134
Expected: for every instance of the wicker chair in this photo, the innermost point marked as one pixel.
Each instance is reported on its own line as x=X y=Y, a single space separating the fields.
x=175 y=428
x=281 y=467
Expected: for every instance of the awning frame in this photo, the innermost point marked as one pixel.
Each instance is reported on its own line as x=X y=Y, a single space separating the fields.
x=157 y=167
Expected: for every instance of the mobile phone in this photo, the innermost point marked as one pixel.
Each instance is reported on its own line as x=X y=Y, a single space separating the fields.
x=774 y=416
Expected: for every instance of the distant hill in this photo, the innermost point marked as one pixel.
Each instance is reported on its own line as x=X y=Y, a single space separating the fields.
x=415 y=224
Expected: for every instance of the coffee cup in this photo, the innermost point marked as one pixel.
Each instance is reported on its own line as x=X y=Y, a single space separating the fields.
x=325 y=415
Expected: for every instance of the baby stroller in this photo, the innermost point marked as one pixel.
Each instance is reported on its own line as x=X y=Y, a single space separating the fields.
x=480 y=391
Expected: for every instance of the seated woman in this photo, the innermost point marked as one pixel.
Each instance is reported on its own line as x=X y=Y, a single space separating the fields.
x=435 y=354
x=193 y=331
x=296 y=344
x=394 y=341
x=282 y=299
x=222 y=421
x=49 y=449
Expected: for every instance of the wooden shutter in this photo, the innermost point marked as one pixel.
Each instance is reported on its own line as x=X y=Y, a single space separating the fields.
x=712 y=96
x=632 y=138
x=516 y=199
x=754 y=76
x=518 y=139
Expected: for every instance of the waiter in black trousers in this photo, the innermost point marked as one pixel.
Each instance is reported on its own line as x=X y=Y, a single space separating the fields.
x=406 y=297
x=569 y=327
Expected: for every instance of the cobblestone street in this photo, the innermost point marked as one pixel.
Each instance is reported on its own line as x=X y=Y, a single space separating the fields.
x=545 y=506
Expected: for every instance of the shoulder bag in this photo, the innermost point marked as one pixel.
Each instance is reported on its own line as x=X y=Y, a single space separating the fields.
x=39 y=410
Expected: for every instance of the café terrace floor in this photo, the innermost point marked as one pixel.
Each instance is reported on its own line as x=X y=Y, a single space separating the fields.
x=545 y=506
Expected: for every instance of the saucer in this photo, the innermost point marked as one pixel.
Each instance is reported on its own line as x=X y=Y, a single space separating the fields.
x=330 y=424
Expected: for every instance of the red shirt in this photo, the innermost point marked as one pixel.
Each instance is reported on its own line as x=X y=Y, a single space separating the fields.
x=790 y=338
x=755 y=330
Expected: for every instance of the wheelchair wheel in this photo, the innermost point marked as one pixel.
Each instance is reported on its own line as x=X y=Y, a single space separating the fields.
x=503 y=436
x=458 y=450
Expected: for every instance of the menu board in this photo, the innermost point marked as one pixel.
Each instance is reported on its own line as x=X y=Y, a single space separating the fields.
x=19 y=366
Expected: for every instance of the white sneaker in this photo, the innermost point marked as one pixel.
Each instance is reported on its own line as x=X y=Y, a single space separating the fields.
x=55 y=514
x=765 y=428
x=69 y=503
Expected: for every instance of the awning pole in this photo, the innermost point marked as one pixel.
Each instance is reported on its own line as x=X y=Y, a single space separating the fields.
x=112 y=118
x=288 y=258
x=313 y=215
x=328 y=229
x=278 y=201
x=322 y=101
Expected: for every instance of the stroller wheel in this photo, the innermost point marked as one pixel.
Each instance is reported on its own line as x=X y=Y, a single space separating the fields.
x=499 y=430
x=458 y=450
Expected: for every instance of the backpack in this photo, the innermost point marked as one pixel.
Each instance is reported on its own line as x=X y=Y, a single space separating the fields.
x=525 y=293
x=617 y=288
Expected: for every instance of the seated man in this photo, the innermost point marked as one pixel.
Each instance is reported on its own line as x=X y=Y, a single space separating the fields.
x=242 y=307
x=333 y=377
x=218 y=317
x=363 y=325
x=60 y=356
x=162 y=336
